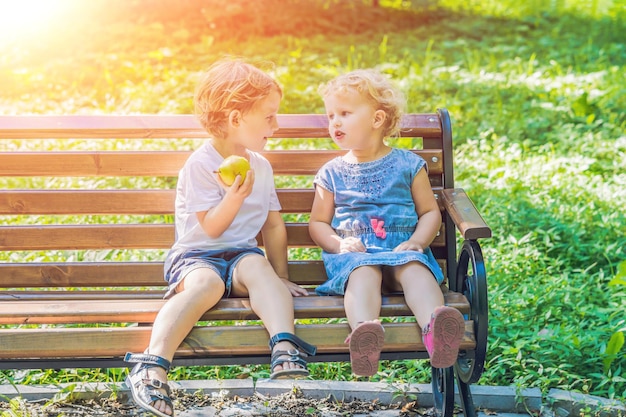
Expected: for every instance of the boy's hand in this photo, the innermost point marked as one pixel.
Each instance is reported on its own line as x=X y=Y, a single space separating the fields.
x=294 y=289
x=237 y=188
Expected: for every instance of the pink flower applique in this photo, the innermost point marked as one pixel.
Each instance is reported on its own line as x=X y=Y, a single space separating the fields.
x=378 y=228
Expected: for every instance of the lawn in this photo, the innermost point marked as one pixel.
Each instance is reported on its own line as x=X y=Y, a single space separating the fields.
x=537 y=95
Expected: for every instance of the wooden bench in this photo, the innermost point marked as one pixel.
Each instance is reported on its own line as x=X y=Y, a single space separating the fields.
x=84 y=230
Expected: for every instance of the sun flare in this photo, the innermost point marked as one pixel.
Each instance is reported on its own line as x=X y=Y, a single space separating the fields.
x=26 y=18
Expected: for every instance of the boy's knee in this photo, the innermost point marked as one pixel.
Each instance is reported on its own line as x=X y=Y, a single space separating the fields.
x=203 y=280
x=253 y=260
x=251 y=267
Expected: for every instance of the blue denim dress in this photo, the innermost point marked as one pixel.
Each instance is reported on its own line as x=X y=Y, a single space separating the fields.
x=372 y=202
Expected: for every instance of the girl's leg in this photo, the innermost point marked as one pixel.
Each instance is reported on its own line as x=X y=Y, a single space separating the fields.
x=200 y=290
x=362 y=302
x=442 y=327
x=269 y=297
x=363 y=298
x=421 y=291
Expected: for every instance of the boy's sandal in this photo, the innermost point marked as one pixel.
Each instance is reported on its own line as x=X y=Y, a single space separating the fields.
x=145 y=390
x=296 y=355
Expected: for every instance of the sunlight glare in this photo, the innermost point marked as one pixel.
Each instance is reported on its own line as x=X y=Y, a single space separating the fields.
x=24 y=18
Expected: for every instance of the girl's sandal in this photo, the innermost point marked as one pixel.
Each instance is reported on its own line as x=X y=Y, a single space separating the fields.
x=145 y=390
x=296 y=355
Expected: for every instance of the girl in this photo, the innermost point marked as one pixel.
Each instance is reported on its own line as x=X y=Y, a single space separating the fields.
x=374 y=215
x=216 y=253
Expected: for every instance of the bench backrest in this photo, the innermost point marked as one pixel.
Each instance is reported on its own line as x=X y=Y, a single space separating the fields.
x=93 y=209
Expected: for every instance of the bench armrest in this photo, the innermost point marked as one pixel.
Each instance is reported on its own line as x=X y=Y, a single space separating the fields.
x=464 y=214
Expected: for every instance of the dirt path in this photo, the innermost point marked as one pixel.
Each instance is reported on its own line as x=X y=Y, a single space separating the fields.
x=291 y=404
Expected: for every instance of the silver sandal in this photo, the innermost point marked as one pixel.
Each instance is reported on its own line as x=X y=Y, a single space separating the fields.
x=296 y=355
x=145 y=390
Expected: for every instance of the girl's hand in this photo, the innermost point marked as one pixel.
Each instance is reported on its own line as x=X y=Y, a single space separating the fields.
x=294 y=289
x=351 y=244
x=409 y=245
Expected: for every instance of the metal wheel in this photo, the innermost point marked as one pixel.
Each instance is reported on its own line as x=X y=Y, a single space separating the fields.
x=443 y=391
x=471 y=280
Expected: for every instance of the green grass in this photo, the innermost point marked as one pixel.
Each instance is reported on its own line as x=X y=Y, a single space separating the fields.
x=536 y=92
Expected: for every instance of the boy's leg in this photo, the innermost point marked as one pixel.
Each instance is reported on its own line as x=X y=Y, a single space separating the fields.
x=200 y=290
x=270 y=299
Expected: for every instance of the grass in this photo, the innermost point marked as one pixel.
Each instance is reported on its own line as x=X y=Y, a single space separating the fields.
x=536 y=92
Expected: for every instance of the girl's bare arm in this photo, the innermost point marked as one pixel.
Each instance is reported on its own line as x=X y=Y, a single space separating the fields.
x=429 y=216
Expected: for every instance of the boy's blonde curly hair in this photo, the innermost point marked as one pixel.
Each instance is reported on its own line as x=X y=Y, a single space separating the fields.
x=230 y=84
x=376 y=88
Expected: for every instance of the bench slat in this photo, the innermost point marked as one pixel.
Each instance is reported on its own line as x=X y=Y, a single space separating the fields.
x=145 y=310
x=161 y=163
x=59 y=202
x=89 y=294
x=122 y=236
x=75 y=275
x=305 y=162
x=80 y=274
x=78 y=237
x=101 y=202
x=222 y=340
x=89 y=164
x=97 y=202
x=178 y=126
x=116 y=274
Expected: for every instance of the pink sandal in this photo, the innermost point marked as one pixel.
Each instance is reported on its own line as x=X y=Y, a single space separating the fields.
x=442 y=336
x=366 y=342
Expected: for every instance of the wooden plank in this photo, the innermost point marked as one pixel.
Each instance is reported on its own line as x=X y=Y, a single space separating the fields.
x=78 y=294
x=161 y=163
x=117 y=274
x=79 y=237
x=80 y=274
x=139 y=202
x=178 y=126
x=92 y=164
x=122 y=236
x=295 y=200
x=99 y=202
x=100 y=126
x=308 y=162
x=122 y=280
x=223 y=340
x=145 y=310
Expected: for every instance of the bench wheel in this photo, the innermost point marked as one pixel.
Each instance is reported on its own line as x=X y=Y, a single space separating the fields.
x=443 y=391
x=471 y=281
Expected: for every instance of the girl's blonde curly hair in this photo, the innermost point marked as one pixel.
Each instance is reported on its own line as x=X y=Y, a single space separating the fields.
x=376 y=88
x=230 y=84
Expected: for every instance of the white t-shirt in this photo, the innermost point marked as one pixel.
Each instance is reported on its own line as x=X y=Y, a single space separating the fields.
x=198 y=190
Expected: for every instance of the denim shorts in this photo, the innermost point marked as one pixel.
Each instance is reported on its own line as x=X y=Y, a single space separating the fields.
x=179 y=264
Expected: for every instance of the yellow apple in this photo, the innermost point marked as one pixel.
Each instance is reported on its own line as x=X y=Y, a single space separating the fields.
x=231 y=167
